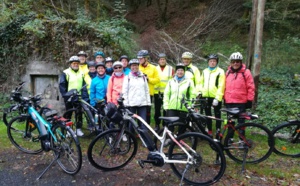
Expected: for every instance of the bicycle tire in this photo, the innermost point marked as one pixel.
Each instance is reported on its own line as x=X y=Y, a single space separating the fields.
x=259 y=138
x=105 y=154
x=68 y=147
x=287 y=139
x=26 y=140
x=204 y=170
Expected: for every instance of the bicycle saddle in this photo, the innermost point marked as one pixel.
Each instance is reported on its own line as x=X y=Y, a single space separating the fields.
x=233 y=111
x=169 y=119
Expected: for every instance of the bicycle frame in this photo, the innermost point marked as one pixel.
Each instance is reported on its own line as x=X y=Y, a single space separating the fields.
x=160 y=138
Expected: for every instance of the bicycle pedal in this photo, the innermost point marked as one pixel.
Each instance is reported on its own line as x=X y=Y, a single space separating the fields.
x=141 y=163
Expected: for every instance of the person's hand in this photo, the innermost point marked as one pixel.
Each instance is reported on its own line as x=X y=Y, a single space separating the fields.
x=215 y=102
x=249 y=104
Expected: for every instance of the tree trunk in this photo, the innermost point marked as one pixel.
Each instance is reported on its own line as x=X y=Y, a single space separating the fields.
x=250 y=49
x=258 y=46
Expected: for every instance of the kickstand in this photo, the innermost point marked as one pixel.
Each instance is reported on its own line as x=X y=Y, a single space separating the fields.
x=186 y=168
x=244 y=160
x=46 y=169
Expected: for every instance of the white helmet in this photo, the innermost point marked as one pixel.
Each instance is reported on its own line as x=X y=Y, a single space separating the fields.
x=187 y=55
x=236 y=56
x=74 y=58
x=117 y=63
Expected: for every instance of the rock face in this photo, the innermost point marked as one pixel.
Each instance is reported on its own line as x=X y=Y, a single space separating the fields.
x=42 y=78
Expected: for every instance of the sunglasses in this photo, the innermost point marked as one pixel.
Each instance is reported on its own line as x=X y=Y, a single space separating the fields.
x=232 y=62
x=117 y=67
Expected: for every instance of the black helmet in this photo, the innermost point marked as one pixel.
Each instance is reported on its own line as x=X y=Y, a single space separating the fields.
x=112 y=113
x=82 y=53
x=134 y=61
x=180 y=65
x=142 y=54
x=213 y=56
x=162 y=55
x=91 y=64
x=124 y=57
x=100 y=64
x=109 y=59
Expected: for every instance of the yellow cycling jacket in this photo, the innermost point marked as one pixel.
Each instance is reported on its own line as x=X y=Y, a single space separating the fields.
x=152 y=75
x=212 y=83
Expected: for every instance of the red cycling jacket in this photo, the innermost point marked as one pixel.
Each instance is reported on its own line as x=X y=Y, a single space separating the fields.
x=239 y=86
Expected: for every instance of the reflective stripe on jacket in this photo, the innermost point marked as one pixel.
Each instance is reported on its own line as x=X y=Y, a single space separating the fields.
x=213 y=83
x=152 y=75
x=174 y=91
x=164 y=75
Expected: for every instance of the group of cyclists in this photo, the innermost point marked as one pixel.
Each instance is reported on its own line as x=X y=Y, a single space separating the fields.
x=142 y=83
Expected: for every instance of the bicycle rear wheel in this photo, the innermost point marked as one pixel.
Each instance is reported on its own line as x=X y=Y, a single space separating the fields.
x=202 y=169
x=258 y=144
x=68 y=147
x=287 y=139
x=24 y=135
x=111 y=150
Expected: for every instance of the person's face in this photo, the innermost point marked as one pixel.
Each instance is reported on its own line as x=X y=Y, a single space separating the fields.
x=124 y=62
x=134 y=67
x=162 y=61
x=142 y=60
x=180 y=72
x=186 y=61
x=236 y=64
x=92 y=69
x=99 y=59
x=212 y=63
x=118 y=68
x=74 y=65
x=108 y=64
x=100 y=70
x=82 y=59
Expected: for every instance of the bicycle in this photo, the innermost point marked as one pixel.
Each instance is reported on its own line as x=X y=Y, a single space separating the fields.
x=84 y=111
x=16 y=108
x=244 y=143
x=190 y=155
x=287 y=138
x=32 y=134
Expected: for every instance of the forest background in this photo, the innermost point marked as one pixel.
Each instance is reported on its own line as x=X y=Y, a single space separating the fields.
x=54 y=30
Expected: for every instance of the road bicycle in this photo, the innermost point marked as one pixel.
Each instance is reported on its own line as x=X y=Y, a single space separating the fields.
x=191 y=155
x=32 y=134
x=243 y=143
x=84 y=112
x=287 y=138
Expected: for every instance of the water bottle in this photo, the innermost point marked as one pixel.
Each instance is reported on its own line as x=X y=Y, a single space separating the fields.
x=96 y=121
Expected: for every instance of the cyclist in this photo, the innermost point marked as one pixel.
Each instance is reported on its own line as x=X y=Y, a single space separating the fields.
x=192 y=72
x=108 y=64
x=73 y=78
x=136 y=92
x=99 y=57
x=115 y=83
x=90 y=75
x=174 y=90
x=239 y=85
x=151 y=75
x=212 y=85
x=166 y=73
x=83 y=63
x=125 y=60
x=99 y=84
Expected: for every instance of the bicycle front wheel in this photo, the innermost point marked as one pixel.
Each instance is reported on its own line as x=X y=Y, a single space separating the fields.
x=207 y=164
x=24 y=135
x=67 y=147
x=256 y=144
x=112 y=150
x=287 y=139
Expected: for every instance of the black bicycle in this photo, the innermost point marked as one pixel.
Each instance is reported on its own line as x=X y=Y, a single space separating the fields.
x=243 y=143
x=191 y=155
x=287 y=138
